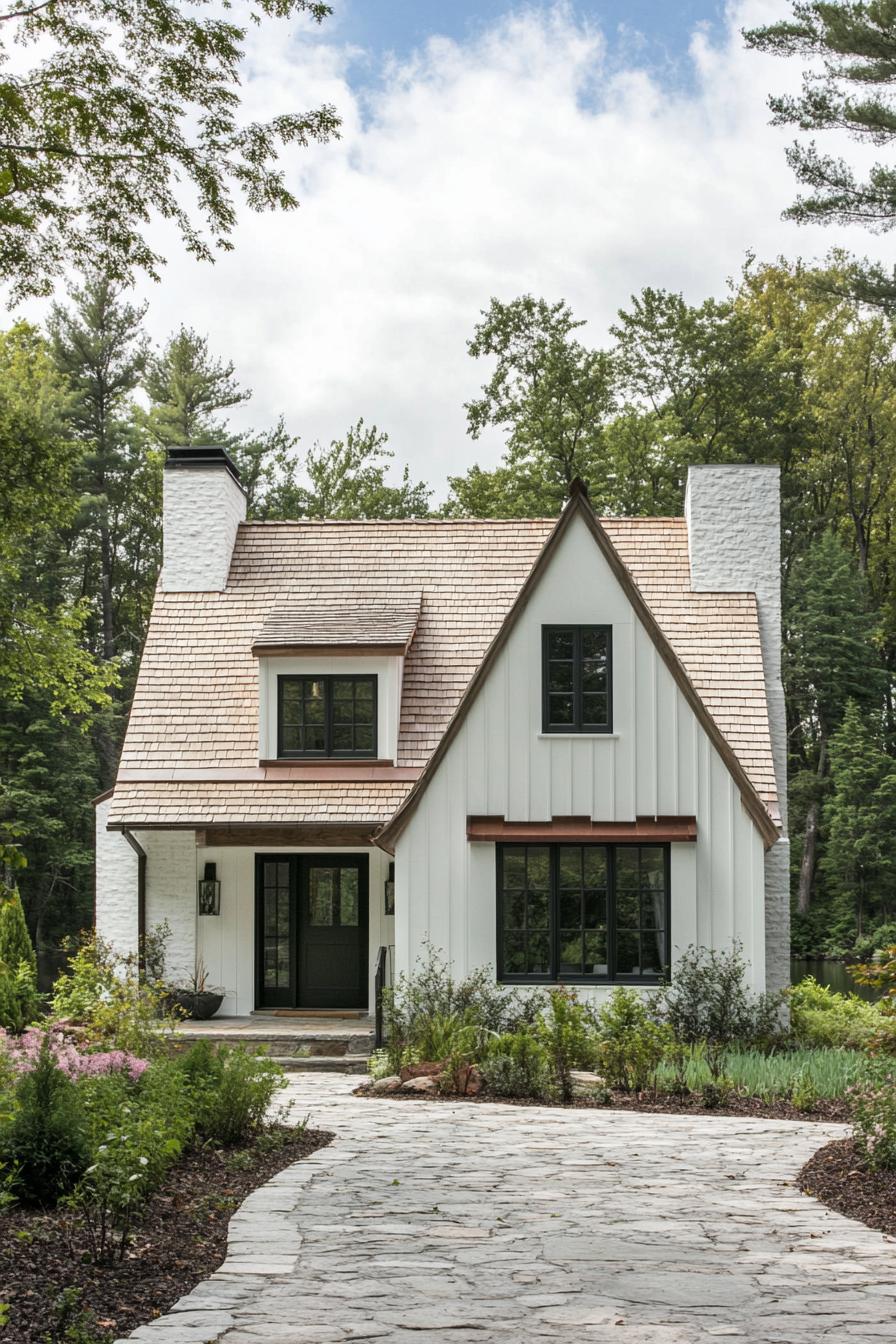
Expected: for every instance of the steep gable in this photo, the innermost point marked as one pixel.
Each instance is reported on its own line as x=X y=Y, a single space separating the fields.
x=579 y=507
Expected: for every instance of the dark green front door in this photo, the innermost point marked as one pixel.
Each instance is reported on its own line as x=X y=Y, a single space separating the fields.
x=311 y=930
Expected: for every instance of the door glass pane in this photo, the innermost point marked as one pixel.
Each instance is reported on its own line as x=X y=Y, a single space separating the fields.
x=348 y=897
x=275 y=922
x=321 y=890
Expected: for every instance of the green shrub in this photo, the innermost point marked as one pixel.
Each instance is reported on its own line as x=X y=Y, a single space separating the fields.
x=708 y=1001
x=632 y=1045
x=19 y=999
x=516 y=1064
x=15 y=940
x=717 y=1092
x=379 y=1065
x=137 y=1130
x=431 y=992
x=232 y=1089
x=45 y=1142
x=803 y=1092
x=873 y=1109
x=821 y=1017
x=104 y=993
x=73 y=1323
x=566 y=1031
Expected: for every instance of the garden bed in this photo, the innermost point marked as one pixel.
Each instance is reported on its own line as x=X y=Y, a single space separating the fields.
x=827 y=1110
x=839 y=1177
x=180 y=1240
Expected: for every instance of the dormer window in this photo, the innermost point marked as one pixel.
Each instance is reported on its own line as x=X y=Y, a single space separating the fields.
x=326 y=716
x=577 y=679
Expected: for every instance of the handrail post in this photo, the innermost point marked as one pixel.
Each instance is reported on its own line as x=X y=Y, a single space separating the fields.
x=378 y=1038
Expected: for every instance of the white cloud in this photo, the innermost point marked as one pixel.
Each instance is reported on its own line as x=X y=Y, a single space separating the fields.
x=518 y=162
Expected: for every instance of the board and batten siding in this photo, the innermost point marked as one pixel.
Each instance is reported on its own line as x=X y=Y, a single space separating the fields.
x=657 y=761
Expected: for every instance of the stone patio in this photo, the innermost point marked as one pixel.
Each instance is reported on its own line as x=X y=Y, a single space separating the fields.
x=452 y=1222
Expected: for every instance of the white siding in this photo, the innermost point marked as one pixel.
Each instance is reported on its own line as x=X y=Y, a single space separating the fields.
x=116 y=885
x=657 y=761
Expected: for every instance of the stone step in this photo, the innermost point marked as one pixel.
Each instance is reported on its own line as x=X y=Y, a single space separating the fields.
x=322 y=1063
x=293 y=1045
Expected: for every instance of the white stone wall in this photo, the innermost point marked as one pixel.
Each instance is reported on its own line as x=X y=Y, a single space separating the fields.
x=171 y=873
x=116 y=885
x=202 y=507
x=734 y=538
x=777 y=915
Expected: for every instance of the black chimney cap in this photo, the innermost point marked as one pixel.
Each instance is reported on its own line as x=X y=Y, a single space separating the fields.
x=202 y=455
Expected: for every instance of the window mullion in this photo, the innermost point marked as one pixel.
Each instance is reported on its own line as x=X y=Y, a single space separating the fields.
x=577 y=711
x=328 y=716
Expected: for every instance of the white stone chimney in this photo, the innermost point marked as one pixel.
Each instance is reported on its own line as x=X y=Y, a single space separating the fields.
x=734 y=540
x=203 y=504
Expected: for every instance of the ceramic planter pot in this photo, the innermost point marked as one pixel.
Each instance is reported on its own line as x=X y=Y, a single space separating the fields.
x=199 y=1005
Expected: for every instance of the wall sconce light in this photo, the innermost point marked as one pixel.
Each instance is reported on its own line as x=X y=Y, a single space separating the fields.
x=390 y=890
x=209 y=889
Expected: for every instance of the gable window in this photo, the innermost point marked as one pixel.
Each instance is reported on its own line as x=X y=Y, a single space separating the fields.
x=326 y=716
x=583 y=912
x=577 y=679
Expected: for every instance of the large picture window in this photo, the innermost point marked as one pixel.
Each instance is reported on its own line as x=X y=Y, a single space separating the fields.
x=583 y=912
x=326 y=716
x=577 y=679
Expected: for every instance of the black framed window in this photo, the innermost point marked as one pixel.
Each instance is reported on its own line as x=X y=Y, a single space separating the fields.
x=326 y=716
x=577 y=678
x=583 y=912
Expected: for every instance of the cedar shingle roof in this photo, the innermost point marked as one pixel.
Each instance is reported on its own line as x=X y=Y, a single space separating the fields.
x=196 y=701
x=319 y=623
x=230 y=803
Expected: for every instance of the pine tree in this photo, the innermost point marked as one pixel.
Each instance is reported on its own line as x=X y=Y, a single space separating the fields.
x=860 y=859
x=188 y=388
x=15 y=940
x=830 y=659
x=848 y=89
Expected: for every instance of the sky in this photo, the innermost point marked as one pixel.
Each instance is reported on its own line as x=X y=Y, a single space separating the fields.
x=577 y=150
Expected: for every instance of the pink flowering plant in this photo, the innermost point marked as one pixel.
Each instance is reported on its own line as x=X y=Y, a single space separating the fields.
x=22 y=1053
x=873 y=1107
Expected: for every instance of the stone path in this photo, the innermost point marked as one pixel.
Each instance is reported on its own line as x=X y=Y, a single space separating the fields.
x=475 y=1223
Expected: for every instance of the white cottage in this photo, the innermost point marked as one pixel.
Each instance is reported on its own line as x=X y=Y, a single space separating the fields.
x=553 y=746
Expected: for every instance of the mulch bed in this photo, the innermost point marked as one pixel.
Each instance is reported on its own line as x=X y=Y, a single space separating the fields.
x=665 y=1104
x=181 y=1240
x=838 y=1176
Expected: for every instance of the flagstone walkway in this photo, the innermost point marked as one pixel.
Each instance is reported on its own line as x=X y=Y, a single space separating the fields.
x=457 y=1223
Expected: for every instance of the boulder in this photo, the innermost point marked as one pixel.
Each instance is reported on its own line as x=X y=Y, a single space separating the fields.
x=424 y=1083
x=466 y=1081
x=391 y=1083
x=428 y=1069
